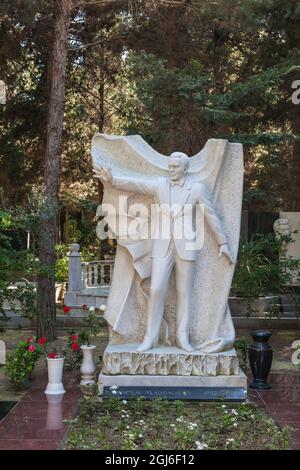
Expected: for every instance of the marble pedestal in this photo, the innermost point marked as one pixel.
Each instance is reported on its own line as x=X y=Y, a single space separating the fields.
x=169 y=372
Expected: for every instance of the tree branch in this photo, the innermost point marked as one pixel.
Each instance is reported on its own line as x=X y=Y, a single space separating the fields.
x=100 y=2
x=95 y=43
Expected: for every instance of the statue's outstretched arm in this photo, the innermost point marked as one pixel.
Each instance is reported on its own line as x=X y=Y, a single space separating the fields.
x=134 y=184
x=137 y=185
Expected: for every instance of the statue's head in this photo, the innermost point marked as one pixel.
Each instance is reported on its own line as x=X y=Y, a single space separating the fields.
x=178 y=165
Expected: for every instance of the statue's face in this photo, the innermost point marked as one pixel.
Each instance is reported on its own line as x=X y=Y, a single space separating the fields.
x=176 y=169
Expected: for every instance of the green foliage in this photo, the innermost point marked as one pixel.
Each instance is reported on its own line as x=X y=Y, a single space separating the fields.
x=62 y=262
x=20 y=296
x=114 y=423
x=13 y=262
x=160 y=98
x=20 y=364
x=175 y=72
x=90 y=252
x=263 y=268
x=93 y=323
x=37 y=209
x=73 y=358
x=16 y=266
x=231 y=79
x=75 y=232
x=242 y=345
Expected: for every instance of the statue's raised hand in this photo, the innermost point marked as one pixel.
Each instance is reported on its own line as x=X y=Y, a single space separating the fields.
x=224 y=251
x=104 y=174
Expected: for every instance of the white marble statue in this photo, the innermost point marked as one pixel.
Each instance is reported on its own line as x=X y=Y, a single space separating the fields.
x=171 y=290
x=177 y=192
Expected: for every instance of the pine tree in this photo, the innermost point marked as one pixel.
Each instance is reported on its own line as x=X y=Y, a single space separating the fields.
x=48 y=231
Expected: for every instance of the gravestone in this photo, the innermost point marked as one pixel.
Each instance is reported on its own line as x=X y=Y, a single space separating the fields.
x=177 y=224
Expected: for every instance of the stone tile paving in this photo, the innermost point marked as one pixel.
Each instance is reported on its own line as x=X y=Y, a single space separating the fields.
x=36 y=423
x=33 y=423
x=282 y=401
x=12 y=337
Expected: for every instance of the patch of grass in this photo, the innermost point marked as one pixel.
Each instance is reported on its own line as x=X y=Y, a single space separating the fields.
x=160 y=424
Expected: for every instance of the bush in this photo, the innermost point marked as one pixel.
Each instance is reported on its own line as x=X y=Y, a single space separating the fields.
x=242 y=346
x=62 y=262
x=16 y=265
x=20 y=364
x=74 y=356
x=24 y=294
x=263 y=269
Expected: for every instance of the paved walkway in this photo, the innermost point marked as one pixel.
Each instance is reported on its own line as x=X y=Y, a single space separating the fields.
x=37 y=423
x=282 y=401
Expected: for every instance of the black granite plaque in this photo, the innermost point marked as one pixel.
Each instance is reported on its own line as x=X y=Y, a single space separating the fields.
x=177 y=393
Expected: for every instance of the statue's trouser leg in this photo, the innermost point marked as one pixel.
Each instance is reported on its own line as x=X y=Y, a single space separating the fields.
x=160 y=276
x=184 y=270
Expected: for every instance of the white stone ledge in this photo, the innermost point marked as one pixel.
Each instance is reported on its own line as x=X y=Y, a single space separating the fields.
x=222 y=381
x=124 y=359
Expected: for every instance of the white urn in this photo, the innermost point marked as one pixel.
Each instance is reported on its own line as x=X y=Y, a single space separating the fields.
x=88 y=367
x=55 y=372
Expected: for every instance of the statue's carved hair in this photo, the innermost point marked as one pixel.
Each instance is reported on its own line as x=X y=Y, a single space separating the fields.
x=182 y=157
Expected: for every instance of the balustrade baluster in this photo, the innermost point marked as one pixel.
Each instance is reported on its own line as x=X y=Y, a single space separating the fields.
x=84 y=275
x=90 y=275
x=95 y=273
x=106 y=274
x=101 y=274
x=110 y=273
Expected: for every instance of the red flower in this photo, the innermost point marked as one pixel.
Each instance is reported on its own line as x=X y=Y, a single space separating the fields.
x=52 y=356
x=28 y=340
x=31 y=348
x=66 y=309
x=85 y=307
x=75 y=346
x=42 y=340
x=74 y=337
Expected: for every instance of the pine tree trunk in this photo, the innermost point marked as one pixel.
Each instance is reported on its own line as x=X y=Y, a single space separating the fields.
x=295 y=167
x=47 y=236
x=101 y=114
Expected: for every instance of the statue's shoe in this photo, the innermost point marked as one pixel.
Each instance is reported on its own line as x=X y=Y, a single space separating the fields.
x=145 y=346
x=184 y=344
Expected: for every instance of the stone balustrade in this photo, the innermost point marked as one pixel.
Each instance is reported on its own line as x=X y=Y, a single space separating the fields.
x=87 y=281
x=97 y=273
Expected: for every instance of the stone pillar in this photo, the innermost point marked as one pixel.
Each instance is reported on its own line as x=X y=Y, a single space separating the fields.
x=75 y=283
x=2 y=352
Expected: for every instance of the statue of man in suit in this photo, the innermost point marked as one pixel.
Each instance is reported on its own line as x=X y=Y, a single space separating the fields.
x=177 y=197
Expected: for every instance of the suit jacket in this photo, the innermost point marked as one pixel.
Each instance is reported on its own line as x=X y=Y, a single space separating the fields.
x=184 y=208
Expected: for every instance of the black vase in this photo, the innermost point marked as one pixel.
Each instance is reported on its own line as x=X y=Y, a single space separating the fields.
x=260 y=358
